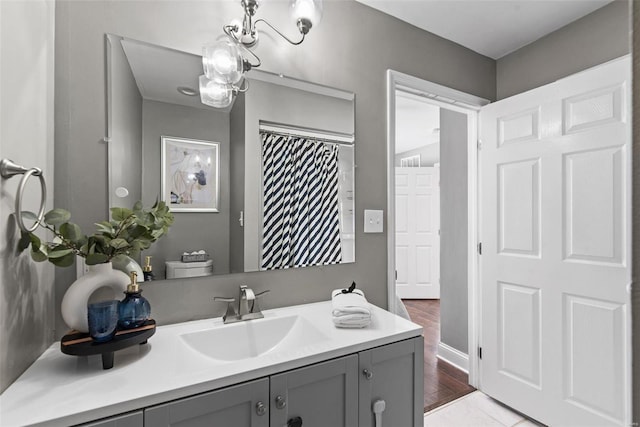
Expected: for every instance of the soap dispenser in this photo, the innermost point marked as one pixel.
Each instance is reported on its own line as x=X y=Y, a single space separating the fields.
x=134 y=309
x=147 y=271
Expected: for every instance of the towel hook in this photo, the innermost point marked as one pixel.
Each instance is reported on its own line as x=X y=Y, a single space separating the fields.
x=8 y=169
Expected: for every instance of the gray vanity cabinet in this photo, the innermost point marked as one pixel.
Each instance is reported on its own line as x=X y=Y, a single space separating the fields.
x=394 y=374
x=321 y=395
x=243 y=405
x=337 y=393
x=134 y=419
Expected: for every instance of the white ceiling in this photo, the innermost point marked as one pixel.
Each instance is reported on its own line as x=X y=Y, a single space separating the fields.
x=160 y=71
x=417 y=122
x=492 y=28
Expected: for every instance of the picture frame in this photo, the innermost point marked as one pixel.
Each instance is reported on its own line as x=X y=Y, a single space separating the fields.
x=190 y=174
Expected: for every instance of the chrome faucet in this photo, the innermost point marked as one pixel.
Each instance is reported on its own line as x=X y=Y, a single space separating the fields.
x=248 y=307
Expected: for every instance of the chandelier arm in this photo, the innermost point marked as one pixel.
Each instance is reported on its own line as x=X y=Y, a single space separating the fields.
x=254 y=55
x=231 y=30
x=279 y=33
x=240 y=89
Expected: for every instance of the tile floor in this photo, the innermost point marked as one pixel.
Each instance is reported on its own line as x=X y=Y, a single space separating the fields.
x=474 y=410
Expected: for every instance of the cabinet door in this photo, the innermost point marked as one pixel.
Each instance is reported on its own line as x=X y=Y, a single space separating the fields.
x=322 y=395
x=133 y=419
x=393 y=373
x=244 y=405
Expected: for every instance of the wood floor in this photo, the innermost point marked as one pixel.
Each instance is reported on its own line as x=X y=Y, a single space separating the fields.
x=442 y=381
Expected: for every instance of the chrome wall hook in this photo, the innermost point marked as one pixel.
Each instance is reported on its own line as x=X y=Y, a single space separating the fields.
x=8 y=169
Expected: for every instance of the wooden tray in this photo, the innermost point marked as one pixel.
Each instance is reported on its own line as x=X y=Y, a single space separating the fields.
x=81 y=344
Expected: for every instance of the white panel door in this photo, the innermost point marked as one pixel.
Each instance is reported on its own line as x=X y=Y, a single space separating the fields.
x=555 y=264
x=417 y=232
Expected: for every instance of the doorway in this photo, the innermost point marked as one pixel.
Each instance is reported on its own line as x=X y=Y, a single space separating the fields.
x=417 y=197
x=414 y=174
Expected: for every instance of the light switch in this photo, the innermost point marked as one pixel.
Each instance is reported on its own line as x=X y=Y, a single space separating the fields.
x=373 y=221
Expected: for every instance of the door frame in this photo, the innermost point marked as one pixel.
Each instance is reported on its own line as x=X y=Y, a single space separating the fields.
x=470 y=105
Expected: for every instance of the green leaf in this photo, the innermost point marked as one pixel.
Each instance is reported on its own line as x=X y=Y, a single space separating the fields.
x=137 y=231
x=35 y=240
x=144 y=243
x=105 y=227
x=70 y=231
x=38 y=253
x=57 y=217
x=156 y=234
x=119 y=214
x=133 y=253
x=138 y=206
x=64 y=261
x=118 y=243
x=25 y=241
x=99 y=240
x=59 y=253
x=93 y=259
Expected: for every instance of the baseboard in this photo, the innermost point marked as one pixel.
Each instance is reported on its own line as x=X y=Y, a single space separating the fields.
x=455 y=357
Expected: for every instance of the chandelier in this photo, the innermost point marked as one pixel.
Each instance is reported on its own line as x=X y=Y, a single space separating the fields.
x=226 y=61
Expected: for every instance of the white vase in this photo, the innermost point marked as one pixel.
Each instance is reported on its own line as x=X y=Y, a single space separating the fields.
x=102 y=282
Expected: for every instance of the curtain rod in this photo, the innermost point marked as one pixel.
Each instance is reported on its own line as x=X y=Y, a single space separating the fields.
x=286 y=130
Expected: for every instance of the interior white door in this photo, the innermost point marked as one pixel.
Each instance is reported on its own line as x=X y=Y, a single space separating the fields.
x=555 y=263
x=417 y=232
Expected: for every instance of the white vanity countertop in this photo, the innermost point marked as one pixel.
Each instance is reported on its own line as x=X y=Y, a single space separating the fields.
x=61 y=390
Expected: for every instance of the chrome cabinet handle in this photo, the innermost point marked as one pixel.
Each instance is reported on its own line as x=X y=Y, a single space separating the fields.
x=261 y=408
x=367 y=374
x=280 y=402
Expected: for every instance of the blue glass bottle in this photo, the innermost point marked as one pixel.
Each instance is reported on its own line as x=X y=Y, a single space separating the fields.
x=134 y=309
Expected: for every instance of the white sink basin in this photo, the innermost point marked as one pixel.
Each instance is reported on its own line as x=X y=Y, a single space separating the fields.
x=254 y=338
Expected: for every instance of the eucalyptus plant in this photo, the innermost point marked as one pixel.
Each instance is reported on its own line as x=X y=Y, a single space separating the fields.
x=127 y=233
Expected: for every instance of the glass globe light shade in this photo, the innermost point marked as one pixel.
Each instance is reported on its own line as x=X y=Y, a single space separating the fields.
x=215 y=94
x=222 y=61
x=310 y=10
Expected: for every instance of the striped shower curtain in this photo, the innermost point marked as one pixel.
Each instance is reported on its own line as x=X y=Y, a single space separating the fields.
x=301 y=223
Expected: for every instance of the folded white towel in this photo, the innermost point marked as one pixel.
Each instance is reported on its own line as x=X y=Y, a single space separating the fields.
x=349 y=303
x=350 y=310
x=352 y=321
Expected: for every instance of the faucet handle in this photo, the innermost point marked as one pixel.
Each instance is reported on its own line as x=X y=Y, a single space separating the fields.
x=255 y=308
x=246 y=293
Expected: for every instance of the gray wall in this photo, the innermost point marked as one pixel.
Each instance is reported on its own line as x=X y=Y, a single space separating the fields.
x=429 y=155
x=26 y=137
x=354 y=58
x=236 y=172
x=596 y=38
x=190 y=230
x=125 y=128
x=453 y=230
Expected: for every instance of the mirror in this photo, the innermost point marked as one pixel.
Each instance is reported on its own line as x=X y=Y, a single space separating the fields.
x=267 y=183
